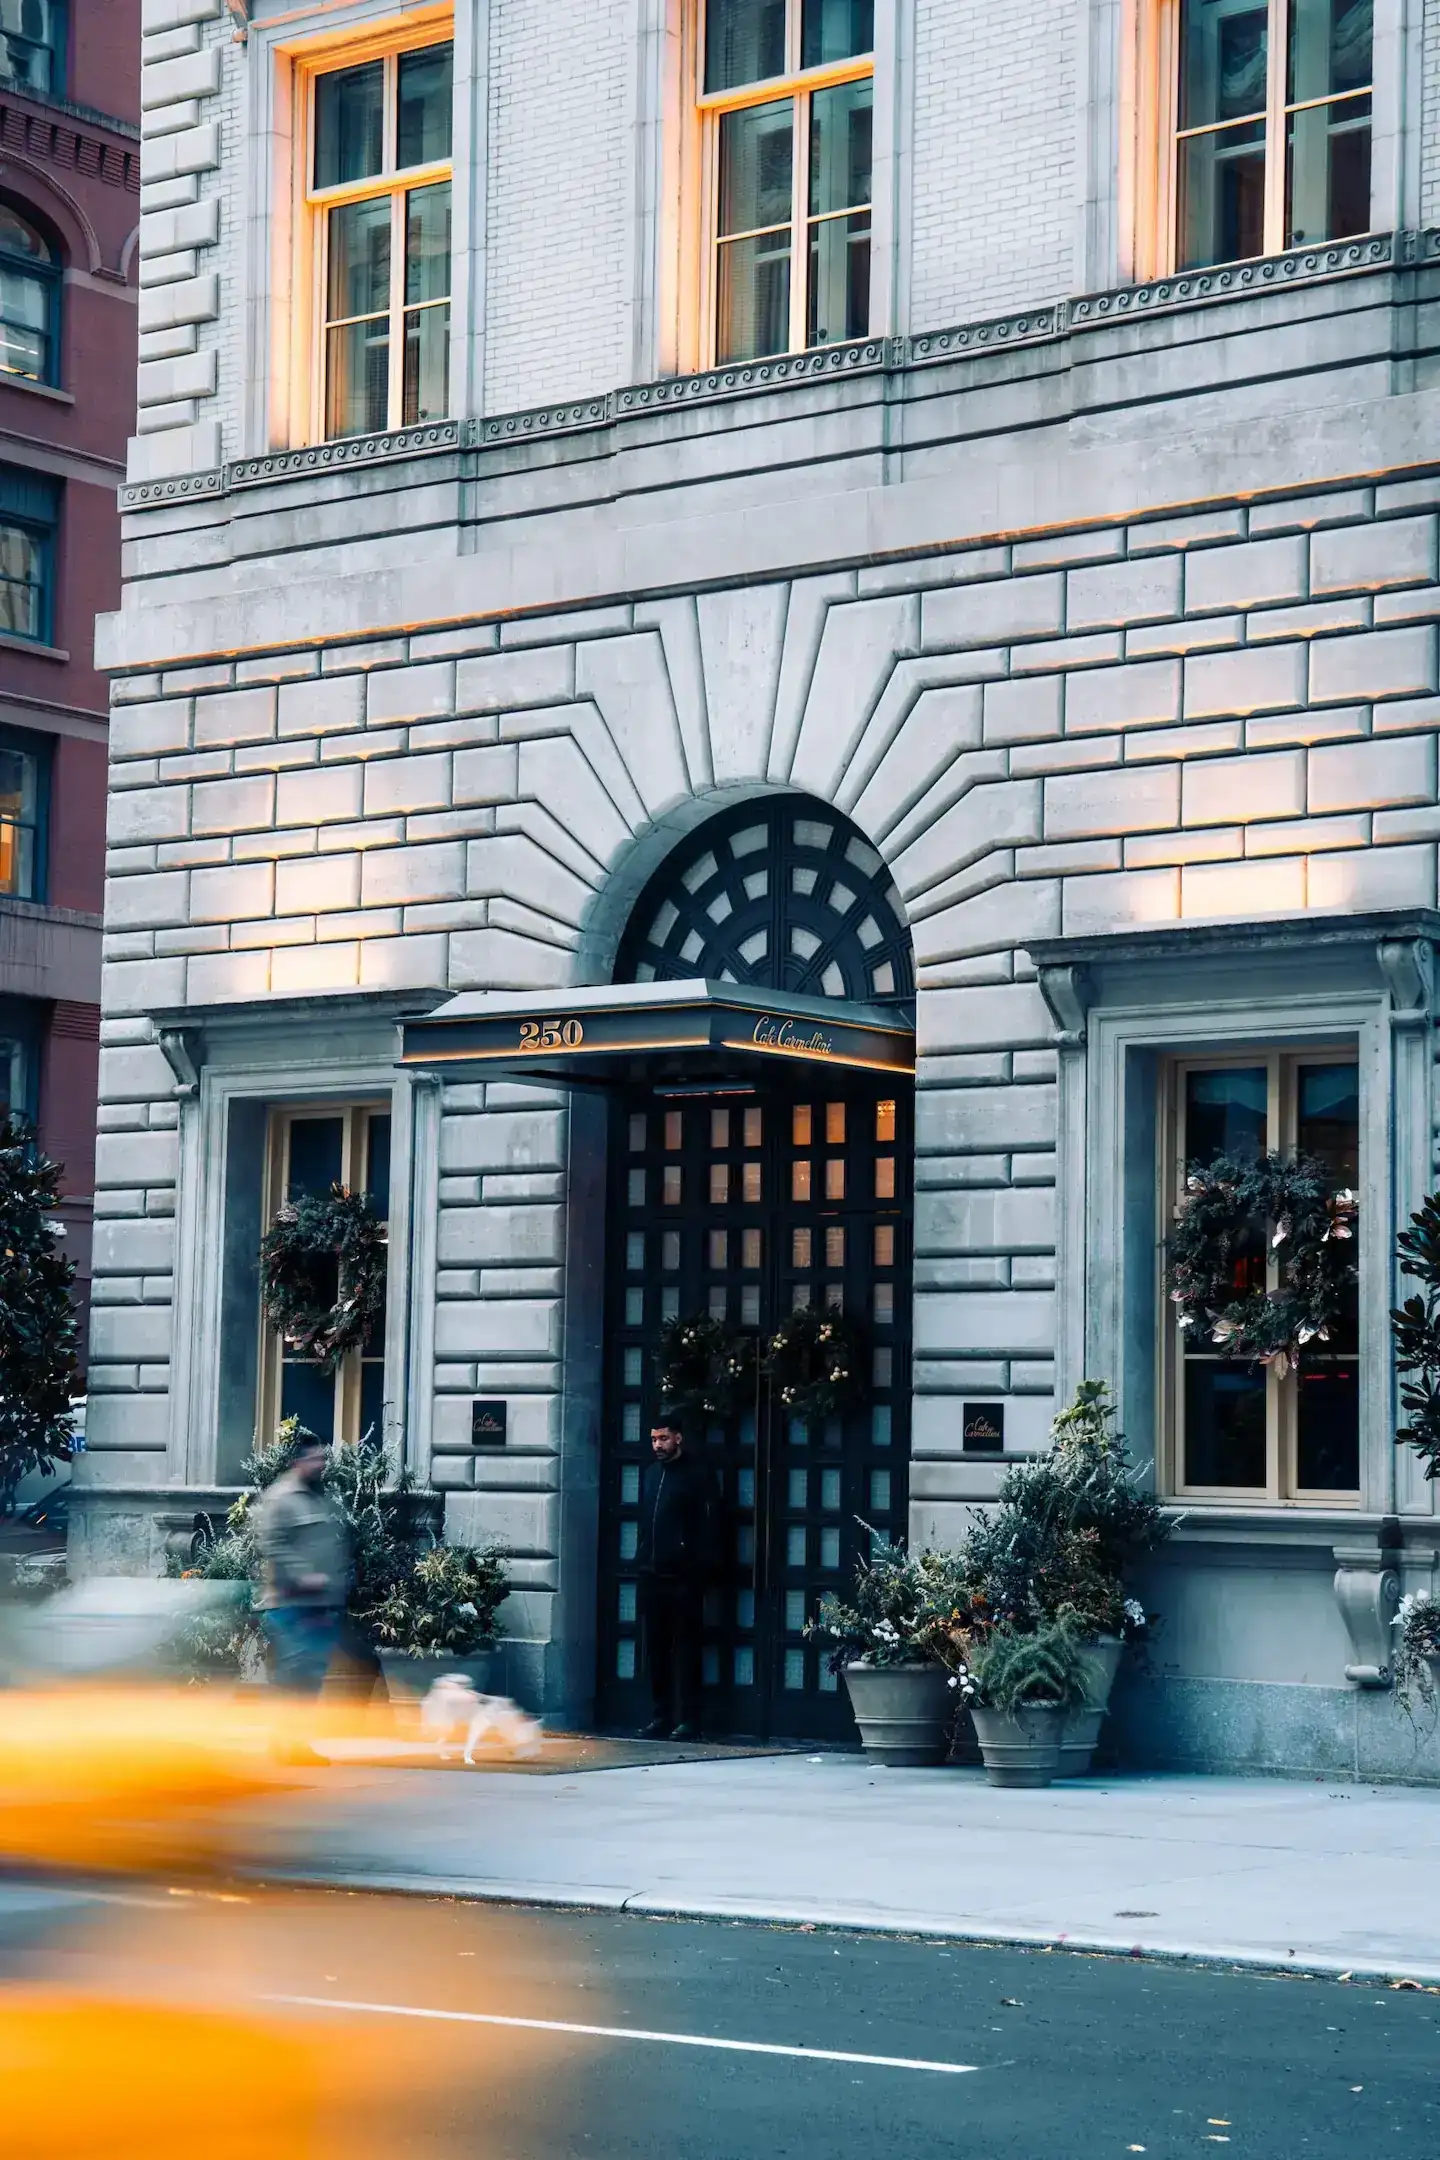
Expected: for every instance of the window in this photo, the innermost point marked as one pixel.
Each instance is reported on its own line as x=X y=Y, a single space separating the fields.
x=29 y=300
x=32 y=45
x=16 y=1067
x=1240 y=1432
x=22 y=776
x=29 y=507
x=1272 y=126
x=312 y=1149
x=786 y=98
x=379 y=201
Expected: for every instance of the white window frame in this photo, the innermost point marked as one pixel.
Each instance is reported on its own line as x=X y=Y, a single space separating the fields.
x=1281 y=1425
x=800 y=85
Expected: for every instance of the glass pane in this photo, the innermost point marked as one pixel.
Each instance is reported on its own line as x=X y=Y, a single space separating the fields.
x=795 y=1546
x=753 y=302
x=1225 y=1112
x=17 y=876
x=357 y=387
x=756 y=161
x=719 y=1249
x=754 y=1128
x=801 y=1125
x=674 y=1129
x=1331 y=45
x=670 y=1251
x=427 y=365
x=1327 y=1118
x=835 y=1124
x=834 y=1245
x=744 y=42
x=1224 y=54
x=349 y=113
x=829 y=1550
x=884 y=1245
x=830 y=1492
x=358 y=279
x=634 y=1251
x=18 y=238
x=794 y=1669
x=799 y=1488
x=308 y=1393
x=880 y=1492
x=316 y=1155
x=1222 y=196
x=635 y=1188
x=719 y=1128
x=1328 y=1429
x=22 y=572
x=670 y=1190
x=885 y=1177
x=1224 y=1425
x=424 y=100
x=800 y=1248
x=372 y=1394
x=24 y=321
x=838 y=303
x=29 y=45
x=840 y=157
x=750 y=1182
x=625 y=1659
x=719 y=1183
x=835 y=30
x=1327 y=172
x=835 y=1178
x=800 y=1181
x=750 y=1248
x=377 y=1163
x=427 y=243
x=885 y=1121
x=637 y=1131
x=634 y=1308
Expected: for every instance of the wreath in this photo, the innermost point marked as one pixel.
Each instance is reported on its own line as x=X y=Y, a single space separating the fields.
x=707 y=1369
x=815 y=1362
x=323 y=1264
x=1231 y=1213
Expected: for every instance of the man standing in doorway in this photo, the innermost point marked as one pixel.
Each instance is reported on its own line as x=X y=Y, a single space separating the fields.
x=305 y=1547
x=675 y=1554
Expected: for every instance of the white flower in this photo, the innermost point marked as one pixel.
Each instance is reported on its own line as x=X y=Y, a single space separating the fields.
x=1134 y=1612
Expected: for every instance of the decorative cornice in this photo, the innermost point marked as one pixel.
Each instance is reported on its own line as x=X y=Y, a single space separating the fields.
x=354 y=450
x=864 y=356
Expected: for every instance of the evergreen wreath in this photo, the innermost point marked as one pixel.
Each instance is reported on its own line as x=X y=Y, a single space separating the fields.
x=1214 y=1246
x=707 y=1369
x=323 y=1265
x=815 y=1362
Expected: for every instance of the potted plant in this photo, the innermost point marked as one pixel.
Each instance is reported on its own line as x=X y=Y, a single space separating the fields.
x=1417 y=1650
x=442 y=1618
x=886 y=1643
x=1057 y=1547
x=1023 y=1689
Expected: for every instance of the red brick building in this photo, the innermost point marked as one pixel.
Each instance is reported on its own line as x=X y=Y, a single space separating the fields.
x=69 y=212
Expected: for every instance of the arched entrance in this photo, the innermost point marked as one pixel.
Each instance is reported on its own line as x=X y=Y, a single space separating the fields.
x=743 y=1194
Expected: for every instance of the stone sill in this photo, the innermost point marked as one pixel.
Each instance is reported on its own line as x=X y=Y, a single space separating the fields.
x=31 y=388
x=41 y=911
x=10 y=643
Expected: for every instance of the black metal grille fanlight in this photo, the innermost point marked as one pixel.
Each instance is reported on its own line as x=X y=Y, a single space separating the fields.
x=784 y=895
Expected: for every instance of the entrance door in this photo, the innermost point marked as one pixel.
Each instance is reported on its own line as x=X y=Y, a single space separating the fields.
x=745 y=1205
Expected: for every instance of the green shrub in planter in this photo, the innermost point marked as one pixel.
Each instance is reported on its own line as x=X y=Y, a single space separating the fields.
x=1011 y=1671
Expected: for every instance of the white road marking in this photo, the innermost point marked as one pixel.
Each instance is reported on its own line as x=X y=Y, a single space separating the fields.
x=621 y=2032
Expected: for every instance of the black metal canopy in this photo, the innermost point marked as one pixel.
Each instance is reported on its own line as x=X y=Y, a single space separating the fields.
x=625 y=1032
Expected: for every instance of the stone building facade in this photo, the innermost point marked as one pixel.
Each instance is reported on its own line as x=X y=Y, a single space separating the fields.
x=1067 y=632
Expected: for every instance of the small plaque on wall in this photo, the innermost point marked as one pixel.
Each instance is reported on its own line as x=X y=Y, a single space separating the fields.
x=488 y=1423
x=982 y=1428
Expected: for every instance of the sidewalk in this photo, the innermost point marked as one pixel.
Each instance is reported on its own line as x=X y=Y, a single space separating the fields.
x=1313 y=1876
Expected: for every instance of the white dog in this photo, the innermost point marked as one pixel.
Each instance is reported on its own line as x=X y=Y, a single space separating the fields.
x=452 y=1707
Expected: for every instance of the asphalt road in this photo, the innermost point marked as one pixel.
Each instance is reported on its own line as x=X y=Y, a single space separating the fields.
x=1066 y=2057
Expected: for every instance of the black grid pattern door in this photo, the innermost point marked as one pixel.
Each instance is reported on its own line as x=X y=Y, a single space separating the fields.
x=745 y=1206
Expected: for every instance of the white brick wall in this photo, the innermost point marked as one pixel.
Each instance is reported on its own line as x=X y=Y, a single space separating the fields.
x=560 y=252
x=994 y=167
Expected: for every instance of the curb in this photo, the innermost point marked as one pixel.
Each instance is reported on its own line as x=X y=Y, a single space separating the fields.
x=836 y=1921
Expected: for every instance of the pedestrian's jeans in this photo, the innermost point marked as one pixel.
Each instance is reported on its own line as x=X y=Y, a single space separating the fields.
x=674 y=1612
x=304 y=1639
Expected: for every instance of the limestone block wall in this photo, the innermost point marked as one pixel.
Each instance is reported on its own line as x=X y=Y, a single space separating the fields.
x=1227 y=713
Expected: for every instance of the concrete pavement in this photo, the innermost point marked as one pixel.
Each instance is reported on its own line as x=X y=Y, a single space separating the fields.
x=1316 y=1876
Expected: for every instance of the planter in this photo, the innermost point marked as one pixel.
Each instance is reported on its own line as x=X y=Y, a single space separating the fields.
x=1082 y=1727
x=1023 y=1748
x=409 y=1679
x=903 y=1711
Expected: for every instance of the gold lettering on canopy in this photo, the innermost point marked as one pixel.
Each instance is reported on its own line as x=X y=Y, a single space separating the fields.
x=773 y=1034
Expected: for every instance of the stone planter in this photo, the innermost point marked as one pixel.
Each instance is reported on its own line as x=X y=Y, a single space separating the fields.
x=903 y=1711
x=409 y=1679
x=1023 y=1748
x=1082 y=1727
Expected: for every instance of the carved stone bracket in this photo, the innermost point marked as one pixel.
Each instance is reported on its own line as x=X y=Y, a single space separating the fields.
x=1367 y=1590
x=180 y=1048
x=1066 y=990
x=1408 y=966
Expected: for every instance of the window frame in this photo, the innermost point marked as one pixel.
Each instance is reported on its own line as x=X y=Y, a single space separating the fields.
x=314 y=205
x=49 y=276
x=281 y=1121
x=1156 y=101
x=40 y=749
x=60 y=58
x=1283 y=1061
x=31 y=503
x=800 y=85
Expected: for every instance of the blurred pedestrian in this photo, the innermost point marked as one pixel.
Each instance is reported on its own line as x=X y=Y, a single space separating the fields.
x=305 y=1547
x=678 y=1520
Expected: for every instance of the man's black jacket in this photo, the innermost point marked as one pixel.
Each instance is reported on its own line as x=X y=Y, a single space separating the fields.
x=678 y=1519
